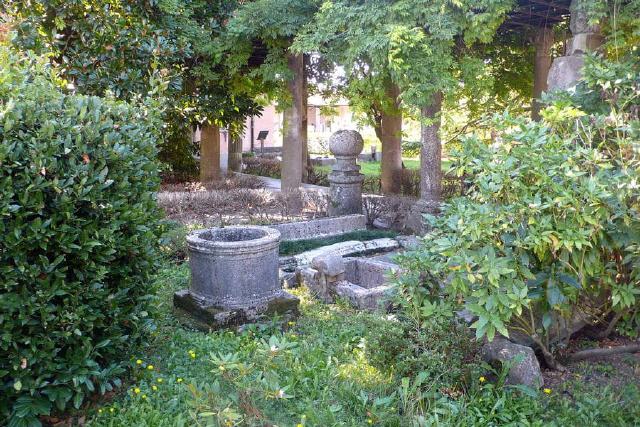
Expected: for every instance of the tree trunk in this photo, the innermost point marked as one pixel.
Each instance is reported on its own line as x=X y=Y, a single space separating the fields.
x=235 y=153
x=292 y=148
x=391 y=125
x=431 y=155
x=543 y=42
x=305 y=120
x=209 y=153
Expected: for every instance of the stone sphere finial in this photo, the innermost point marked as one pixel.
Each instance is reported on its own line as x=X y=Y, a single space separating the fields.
x=346 y=143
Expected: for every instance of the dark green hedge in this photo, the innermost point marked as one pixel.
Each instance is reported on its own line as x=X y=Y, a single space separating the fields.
x=78 y=240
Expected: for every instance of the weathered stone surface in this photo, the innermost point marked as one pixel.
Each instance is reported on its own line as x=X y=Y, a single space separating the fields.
x=321 y=227
x=346 y=143
x=525 y=369
x=328 y=264
x=289 y=280
x=234 y=275
x=210 y=316
x=364 y=298
x=583 y=43
x=565 y=72
x=408 y=242
x=345 y=179
x=579 y=20
x=362 y=281
x=348 y=248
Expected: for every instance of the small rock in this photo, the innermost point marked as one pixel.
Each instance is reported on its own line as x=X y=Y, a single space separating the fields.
x=526 y=372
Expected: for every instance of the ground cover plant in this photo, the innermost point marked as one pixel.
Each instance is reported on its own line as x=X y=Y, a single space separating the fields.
x=335 y=366
x=78 y=239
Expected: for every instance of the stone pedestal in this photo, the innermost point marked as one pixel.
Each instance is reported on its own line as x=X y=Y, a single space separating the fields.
x=345 y=179
x=234 y=277
x=567 y=70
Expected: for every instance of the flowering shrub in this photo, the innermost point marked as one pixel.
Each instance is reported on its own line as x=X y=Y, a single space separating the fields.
x=77 y=240
x=549 y=231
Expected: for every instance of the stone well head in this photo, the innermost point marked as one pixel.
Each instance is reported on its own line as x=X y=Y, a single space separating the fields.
x=346 y=143
x=234 y=266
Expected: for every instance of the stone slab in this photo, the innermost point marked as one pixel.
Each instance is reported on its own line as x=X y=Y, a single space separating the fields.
x=211 y=317
x=363 y=298
x=348 y=248
x=321 y=227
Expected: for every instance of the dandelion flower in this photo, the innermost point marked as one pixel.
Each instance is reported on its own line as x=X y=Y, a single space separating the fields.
x=136 y=390
x=99 y=411
x=159 y=380
x=547 y=390
x=179 y=380
x=150 y=367
x=144 y=396
x=112 y=409
x=299 y=425
x=138 y=362
x=154 y=388
x=482 y=379
x=292 y=323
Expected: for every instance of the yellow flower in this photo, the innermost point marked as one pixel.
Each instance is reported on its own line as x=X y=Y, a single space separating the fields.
x=144 y=396
x=159 y=380
x=136 y=390
x=299 y=425
x=138 y=362
x=179 y=380
x=99 y=411
x=292 y=323
x=482 y=379
x=221 y=367
x=370 y=421
x=154 y=388
x=112 y=409
x=150 y=367
x=547 y=390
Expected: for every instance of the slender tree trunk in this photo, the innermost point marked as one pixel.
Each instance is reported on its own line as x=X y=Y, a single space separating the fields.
x=209 y=153
x=235 y=152
x=543 y=42
x=391 y=125
x=292 y=146
x=431 y=155
x=305 y=120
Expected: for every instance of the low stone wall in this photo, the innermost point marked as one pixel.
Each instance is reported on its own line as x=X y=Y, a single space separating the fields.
x=321 y=227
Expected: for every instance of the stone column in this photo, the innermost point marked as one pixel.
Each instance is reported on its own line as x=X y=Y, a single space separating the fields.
x=293 y=117
x=345 y=179
x=567 y=70
x=209 y=153
x=430 y=165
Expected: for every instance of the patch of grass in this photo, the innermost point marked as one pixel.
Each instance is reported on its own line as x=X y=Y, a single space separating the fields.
x=298 y=246
x=321 y=371
x=373 y=168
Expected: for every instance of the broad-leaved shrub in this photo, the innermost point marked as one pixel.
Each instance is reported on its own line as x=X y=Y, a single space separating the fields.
x=78 y=239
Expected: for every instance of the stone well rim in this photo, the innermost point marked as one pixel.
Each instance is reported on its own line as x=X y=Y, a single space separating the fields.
x=197 y=239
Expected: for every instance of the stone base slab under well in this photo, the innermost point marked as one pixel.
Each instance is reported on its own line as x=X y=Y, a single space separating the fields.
x=208 y=316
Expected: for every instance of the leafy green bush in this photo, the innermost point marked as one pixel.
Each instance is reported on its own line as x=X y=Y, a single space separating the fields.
x=78 y=239
x=550 y=228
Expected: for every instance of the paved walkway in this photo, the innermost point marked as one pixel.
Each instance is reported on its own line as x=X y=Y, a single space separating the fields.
x=276 y=184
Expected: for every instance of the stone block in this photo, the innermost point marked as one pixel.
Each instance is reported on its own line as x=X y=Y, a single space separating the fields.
x=330 y=265
x=565 y=72
x=363 y=298
x=321 y=227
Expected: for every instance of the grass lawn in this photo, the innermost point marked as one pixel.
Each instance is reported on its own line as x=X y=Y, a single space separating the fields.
x=373 y=168
x=333 y=367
